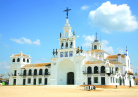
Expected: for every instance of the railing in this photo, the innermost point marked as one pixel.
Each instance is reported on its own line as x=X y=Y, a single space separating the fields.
x=34 y=74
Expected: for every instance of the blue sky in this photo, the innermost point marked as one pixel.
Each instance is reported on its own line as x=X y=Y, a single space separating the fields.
x=34 y=26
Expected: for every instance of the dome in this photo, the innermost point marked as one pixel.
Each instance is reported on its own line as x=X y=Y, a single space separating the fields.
x=96 y=40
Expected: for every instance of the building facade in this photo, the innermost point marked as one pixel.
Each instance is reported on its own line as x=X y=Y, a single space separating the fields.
x=73 y=66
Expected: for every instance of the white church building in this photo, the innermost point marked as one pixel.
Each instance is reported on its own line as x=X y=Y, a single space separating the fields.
x=73 y=66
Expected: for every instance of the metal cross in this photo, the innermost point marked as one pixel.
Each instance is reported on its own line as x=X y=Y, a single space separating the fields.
x=96 y=34
x=67 y=11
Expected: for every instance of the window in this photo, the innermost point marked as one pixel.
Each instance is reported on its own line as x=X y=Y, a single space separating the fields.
x=40 y=80
x=15 y=73
x=46 y=71
x=24 y=72
x=95 y=79
x=89 y=70
x=116 y=69
x=18 y=60
x=70 y=53
x=29 y=80
x=71 y=45
x=13 y=60
x=23 y=59
x=66 y=44
x=95 y=46
x=95 y=69
x=61 y=54
x=35 y=72
x=116 y=80
x=111 y=79
x=40 y=72
x=30 y=72
x=102 y=69
x=66 y=54
x=62 y=45
x=27 y=60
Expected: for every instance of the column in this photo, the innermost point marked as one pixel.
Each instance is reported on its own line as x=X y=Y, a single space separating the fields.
x=59 y=44
x=37 y=71
x=64 y=44
x=68 y=44
x=99 y=69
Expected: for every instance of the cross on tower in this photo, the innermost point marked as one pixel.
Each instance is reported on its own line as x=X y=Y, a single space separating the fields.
x=67 y=11
x=96 y=35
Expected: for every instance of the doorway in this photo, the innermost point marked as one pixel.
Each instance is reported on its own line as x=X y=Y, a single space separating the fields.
x=45 y=81
x=89 y=81
x=34 y=81
x=70 y=78
x=14 y=82
x=23 y=81
x=102 y=80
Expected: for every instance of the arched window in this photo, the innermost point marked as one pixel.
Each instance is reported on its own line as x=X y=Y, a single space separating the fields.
x=62 y=45
x=89 y=70
x=40 y=72
x=24 y=72
x=102 y=69
x=30 y=72
x=23 y=59
x=46 y=71
x=13 y=60
x=35 y=72
x=95 y=46
x=27 y=60
x=112 y=70
x=95 y=69
x=116 y=69
x=71 y=45
x=18 y=60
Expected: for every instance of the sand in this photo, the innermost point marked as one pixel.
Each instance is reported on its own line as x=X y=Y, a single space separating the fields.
x=63 y=91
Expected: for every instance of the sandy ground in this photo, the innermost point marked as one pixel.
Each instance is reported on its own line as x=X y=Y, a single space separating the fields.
x=63 y=91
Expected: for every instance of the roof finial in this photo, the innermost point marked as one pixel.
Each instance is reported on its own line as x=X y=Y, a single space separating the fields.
x=126 y=48
x=67 y=10
x=96 y=35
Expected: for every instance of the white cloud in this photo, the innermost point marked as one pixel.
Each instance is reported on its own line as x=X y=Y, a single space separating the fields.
x=110 y=17
x=25 y=40
x=78 y=36
x=88 y=40
x=84 y=7
x=120 y=50
x=4 y=63
x=38 y=62
x=107 y=48
x=44 y=58
x=7 y=67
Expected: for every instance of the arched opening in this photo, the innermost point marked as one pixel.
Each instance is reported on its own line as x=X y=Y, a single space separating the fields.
x=23 y=59
x=13 y=60
x=46 y=71
x=62 y=45
x=95 y=46
x=102 y=69
x=66 y=44
x=70 y=78
x=40 y=72
x=35 y=72
x=116 y=69
x=112 y=70
x=24 y=72
x=89 y=70
x=30 y=72
x=71 y=44
x=63 y=71
x=27 y=60
x=18 y=60
x=95 y=69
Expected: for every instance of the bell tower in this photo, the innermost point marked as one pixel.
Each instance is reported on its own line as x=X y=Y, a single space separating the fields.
x=96 y=44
